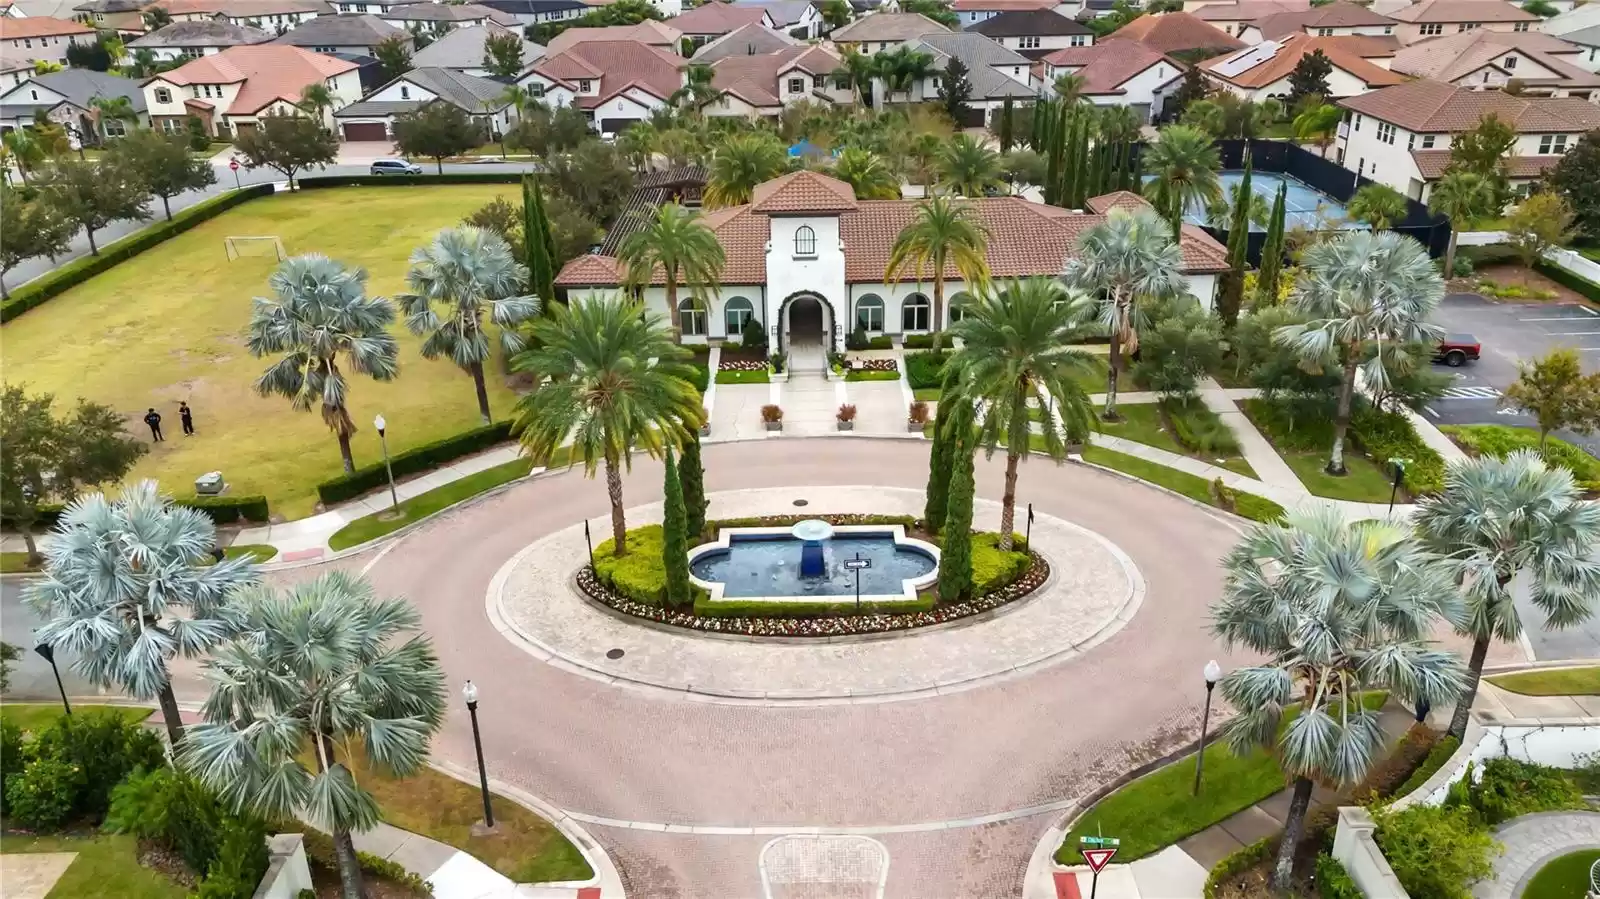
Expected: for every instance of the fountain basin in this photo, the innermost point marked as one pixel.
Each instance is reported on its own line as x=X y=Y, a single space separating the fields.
x=763 y=564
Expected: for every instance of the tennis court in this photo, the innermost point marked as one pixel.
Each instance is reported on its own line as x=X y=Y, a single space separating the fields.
x=1305 y=206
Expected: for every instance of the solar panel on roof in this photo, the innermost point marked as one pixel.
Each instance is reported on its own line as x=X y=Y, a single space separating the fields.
x=1247 y=59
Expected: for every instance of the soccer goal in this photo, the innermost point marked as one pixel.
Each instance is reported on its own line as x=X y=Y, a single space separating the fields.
x=254 y=246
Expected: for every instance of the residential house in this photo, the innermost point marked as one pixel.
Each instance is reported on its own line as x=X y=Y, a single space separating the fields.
x=1236 y=16
x=196 y=39
x=1436 y=18
x=14 y=72
x=68 y=99
x=971 y=12
x=1543 y=64
x=370 y=7
x=1177 y=32
x=1034 y=32
x=762 y=85
x=1338 y=19
x=372 y=118
x=1587 y=40
x=439 y=18
x=654 y=34
x=614 y=83
x=1119 y=73
x=1581 y=27
x=41 y=39
x=1262 y=71
x=534 y=12
x=276 y=16
x=114 y=15
x=748 y=40
x=462 y=50
x=709 y=21
x=806 y=259
x=1401 y=136
x=55 y=9
x=799 y=19
x=995 y=73
x=353 y=34
x=883 y=31
x=230 y=91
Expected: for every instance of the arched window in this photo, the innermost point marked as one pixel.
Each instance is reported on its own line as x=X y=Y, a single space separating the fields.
x=915 y=312
x=869 y=313
x=805 y=241
x=691 y=317
x=735 y=313
x=958 y=305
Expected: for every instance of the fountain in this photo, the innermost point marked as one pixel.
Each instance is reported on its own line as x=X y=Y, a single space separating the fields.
x=811 y=533
x=805 y=560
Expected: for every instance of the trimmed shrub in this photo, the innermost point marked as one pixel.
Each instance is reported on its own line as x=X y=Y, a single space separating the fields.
x=413 y=461
x=171 y=810
x=1510 y=788
x=1257 y=508
x=1240 y=861
x=878 y=375
x=1588 y=289
x=917 y=341
x=12 y=760
x=1333 y=881
x=1387 y=777
x=639 y=575
x=240 y=863
x=1435 y=851
x=1498 y=440
x=1437 y=756
x=1198 y=429
x=44 y=795
x=105 y=747
x=804 y=608
x=229 y=509
x=52 y=285
x=925 y=370
x=1388 y=435
x=992 y=567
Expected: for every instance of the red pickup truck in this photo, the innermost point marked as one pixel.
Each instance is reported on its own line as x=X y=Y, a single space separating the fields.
x=1456 y=349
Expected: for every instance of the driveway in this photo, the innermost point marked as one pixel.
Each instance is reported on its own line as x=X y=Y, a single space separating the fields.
x=363 y=152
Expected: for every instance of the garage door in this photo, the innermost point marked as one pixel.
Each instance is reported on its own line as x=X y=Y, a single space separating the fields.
x=971 y=118
x=616 y=126
x=354 y=131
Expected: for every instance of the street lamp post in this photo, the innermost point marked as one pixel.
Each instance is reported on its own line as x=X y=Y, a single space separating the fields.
x=49 y=654
x=469 y=692
x=1027 y=537
x=383 y=441
x=589 y=541
x=1399 y=475
x=1213 y=673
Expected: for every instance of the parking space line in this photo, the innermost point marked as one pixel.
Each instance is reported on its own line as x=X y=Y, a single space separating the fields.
x=1556 y=318
x=1429 y=410
x=1573 y=333
x=1588 y=310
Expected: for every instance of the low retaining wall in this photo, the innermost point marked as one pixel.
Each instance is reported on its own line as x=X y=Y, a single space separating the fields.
x=1356 y=849
x=287 y=871
x=1545 y=741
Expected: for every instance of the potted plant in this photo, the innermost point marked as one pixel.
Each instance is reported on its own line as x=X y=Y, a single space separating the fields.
x=847 y=417
x=705 y=422
x=773 y=416
x=776 y=362
x=917 y=417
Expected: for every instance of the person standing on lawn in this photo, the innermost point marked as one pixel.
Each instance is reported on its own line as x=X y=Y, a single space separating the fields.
x=186 y=417
x=153 y=419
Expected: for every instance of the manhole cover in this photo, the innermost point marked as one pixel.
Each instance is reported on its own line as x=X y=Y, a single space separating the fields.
x=802 y=502
x=614 y=654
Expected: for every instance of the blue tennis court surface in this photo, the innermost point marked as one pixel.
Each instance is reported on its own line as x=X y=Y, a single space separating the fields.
x=1304 y=205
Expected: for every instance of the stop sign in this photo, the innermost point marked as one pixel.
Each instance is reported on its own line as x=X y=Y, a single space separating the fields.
x=233 y=164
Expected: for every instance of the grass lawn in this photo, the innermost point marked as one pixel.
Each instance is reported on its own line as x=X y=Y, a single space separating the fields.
x=1142 y=423
x=1094 y=381
x=168 y=325
x=1159 y=809
x=926 y=394
x=760 y=376
x=37 y=716
x=261 y=552
x=371 y=527
x=1365 y=483
x=11 y=563
x=107 y=867
x=874 y=376
x=1196 y=488
x=1560 y=682
x=1564 y=877
x=1498 y=440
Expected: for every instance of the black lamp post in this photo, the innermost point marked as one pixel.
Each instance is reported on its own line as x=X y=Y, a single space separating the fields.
x=1027 y=537
x=590 y=542
x=383 y=441
x=49 y=654
x=1213 y=673
x=469 y=692
x=1399 y=475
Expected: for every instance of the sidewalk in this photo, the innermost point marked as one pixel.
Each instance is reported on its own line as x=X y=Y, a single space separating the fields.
x=454 y=874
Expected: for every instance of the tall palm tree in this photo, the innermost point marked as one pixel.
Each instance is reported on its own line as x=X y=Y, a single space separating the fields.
x=1337 y=609
x=1221 y=212
x=1185 y=163
x=857 y=73
x=1495 y=518
x=321 y=314
x=740 y=164
x=113 y=109
x=903 y=68
x=315 y=99
x=697 y=92
x=1118 y=124
x=143 y=63
x=1460 y=196
x=944 y=233
x=469 y=272
x=967 y=168
x=1069 y=88
x=681 y=245
x=638 y=142
x=1359 y=289
x=128 y=585
x=1016 y=349
x=325 y=666
x=1318 y=125
x=867 y=174
x=613 y=381
x=1123 y=260
x=26 y=153
x=1378 y=205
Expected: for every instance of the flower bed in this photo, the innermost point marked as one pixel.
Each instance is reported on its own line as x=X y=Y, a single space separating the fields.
x=726 y=364
x=874 y=365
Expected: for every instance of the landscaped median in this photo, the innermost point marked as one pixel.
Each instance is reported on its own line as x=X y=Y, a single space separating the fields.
x=1212 y=493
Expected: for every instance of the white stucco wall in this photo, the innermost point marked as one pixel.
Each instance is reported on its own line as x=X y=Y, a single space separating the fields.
x=789 y=273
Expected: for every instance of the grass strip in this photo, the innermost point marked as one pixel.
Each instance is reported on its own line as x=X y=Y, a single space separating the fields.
x=106 y=867
x=759 y=376
x=1557 y=682
x=34 y=717
x=926 y=394
x=873 y=376
x=1364 y=482
x=371 y=527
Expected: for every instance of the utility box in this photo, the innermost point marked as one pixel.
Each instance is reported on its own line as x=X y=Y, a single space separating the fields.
x=209 y=484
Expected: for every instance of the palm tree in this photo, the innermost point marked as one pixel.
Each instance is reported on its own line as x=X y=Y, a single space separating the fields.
x=1337 y=609
x=25 y=152
x=1069 y=88
x=1378 y=205
x=1460 y=196
x=129 y=584
x=903 y=68
x=1220 y=213
x=1360 y=288
x=638 y=143
x=968 y=168
x=1017 y=349
x=613 y=381
x=944 y=232
x=740 y=164
x=470 y=272
x=143 y=63
x=115 y=109
x=697 y=92
x=1206 y=115
x=315 y=98
x=1118 y=124
x=867 y=175
x=1496 y=517
x=1318 y=124
x=326 y=666
x=857 y=73
x=1185 y=163
x=322 y=313
x=681 y=244
x=1127 y=258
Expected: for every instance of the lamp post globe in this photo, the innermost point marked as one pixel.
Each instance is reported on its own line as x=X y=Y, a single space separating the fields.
x=383 y=441
x=380 y=424
x=1212 y=673
x=469 y=692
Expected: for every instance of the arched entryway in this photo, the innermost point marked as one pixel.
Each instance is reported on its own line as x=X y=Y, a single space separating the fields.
x=805 y=330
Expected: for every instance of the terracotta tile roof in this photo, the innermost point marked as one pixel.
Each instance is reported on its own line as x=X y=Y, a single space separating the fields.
x=1170 y=32
x=1341 y=14
x=886 y=26
x=717 y=18
x=1462 y=11
x=648 y=32
x=1370 y=46
x=1433 y=106
x=1117 y=199
x=1002 y=5
x=1459 y=55
x=1432 y=163
x=270 y=72
x=746 y=40
x=620 y=65
x=1289 y=52
x=39 y=26
x=802 y=192
x=754 y=79
x=245 y=9
x=1107 y=65
x=585 y=271
x=1249 y=10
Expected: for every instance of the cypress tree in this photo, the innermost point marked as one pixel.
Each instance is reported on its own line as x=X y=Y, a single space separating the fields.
x=1005 y=127
x=674 y=546
x=1080 y=170
x=536 y=244
x=1272 y=251
x=1058 y=148
x=955 y=552
x=938 y=492
x=1239 y=227
x=692 y=474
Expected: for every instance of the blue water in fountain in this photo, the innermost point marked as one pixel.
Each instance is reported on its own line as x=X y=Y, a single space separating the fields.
x=755 y=565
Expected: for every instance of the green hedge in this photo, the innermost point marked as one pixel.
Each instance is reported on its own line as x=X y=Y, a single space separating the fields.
x=220 y=509
x=734 y=376
x=873 y=375
x=700 y=377
x=412 y=461
x=49 y=286
x=1498 y=440
x=738 y=607
x=992 y=567
x=316 y=181
x=925 y=370
x=1430 y=766
x=639 y=575
x=1561 y=276
x=918 y=341
x=1240 y=861
x=1388 y=435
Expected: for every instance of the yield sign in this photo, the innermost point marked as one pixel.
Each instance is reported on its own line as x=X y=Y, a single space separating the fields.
x=1098 y=858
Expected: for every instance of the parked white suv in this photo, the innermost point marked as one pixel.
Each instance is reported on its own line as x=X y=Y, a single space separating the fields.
x=395 y=167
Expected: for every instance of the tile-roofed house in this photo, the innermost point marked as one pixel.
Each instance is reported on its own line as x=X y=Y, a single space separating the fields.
x=351 y=33
x=1338 y=19
x=1262 y=71
x=372 y=118
x=111 y=15
x=233 y=89
x=1435 y=18
x=536 y=12
x=747 y=40
x=41 y=39
x=1118 y=73
x=799 y=19
x=1034 y=32
x=201 y=38
x=656 y=34
x=275 y=16
x=56 y=9
x=1389 y=133
x=804 y=242
x=994 y=72
x=883 y=31
x=1236 y=17
x=445 y=15
x=764 y=83
x=709 y=21
x=462 y=50
x=1117 y=199
x=617 y=82
x=1543 y=64
x=67 y=97
x=1175 y=32
x=971 y=12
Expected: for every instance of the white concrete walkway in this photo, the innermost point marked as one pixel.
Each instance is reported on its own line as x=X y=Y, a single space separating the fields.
x=1268 y=465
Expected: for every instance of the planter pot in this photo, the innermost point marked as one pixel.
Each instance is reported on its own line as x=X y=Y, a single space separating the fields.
x=915 y=427
x=846 y=425
x=705 y=430
x=773 y=425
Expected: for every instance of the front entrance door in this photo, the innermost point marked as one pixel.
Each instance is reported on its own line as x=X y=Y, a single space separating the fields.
x=806 y=325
